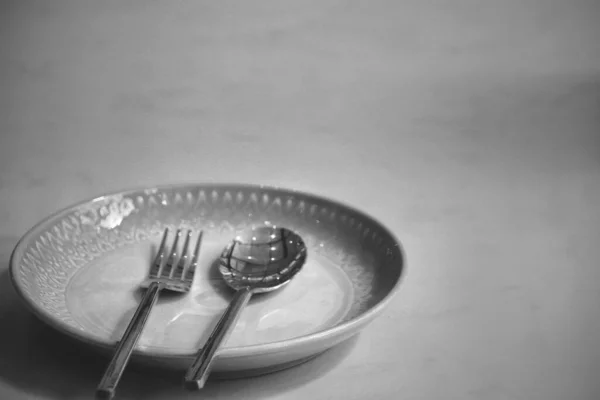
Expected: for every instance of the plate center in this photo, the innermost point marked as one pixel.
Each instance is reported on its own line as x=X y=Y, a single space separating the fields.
x=103 y=295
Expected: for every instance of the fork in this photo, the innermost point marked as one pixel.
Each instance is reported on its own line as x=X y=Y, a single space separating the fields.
x=169 y=271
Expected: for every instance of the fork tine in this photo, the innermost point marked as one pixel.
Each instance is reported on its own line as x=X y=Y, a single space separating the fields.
x=173 y=257
x=160 y=256
x=177 y=272
x=188 y=275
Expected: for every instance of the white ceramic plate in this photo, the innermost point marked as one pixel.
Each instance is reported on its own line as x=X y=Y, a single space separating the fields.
x=80 y=269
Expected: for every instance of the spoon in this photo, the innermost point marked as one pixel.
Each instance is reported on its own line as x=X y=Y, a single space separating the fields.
x=259 y=260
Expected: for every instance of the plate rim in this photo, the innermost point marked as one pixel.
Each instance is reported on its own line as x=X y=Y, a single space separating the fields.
x=226 y=352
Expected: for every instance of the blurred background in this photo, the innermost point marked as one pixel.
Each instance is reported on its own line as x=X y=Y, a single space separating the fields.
x=471 y=128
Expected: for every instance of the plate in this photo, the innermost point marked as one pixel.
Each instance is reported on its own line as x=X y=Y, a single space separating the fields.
x=80 y=269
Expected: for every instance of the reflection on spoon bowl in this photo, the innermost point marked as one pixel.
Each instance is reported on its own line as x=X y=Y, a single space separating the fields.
x=262 y=259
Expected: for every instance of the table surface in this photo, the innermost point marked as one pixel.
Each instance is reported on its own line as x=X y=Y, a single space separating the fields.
x=471 y=128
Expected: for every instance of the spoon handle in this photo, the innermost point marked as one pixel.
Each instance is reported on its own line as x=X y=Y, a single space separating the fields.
x=196 y=375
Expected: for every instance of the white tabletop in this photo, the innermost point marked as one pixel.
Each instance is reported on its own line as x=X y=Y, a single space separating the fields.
x=470 y=128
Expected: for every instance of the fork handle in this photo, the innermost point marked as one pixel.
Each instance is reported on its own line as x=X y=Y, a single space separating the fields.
x=114 y=371
x=197 y=374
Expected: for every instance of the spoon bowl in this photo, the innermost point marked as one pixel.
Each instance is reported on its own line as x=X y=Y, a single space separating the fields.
x=262 y=259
